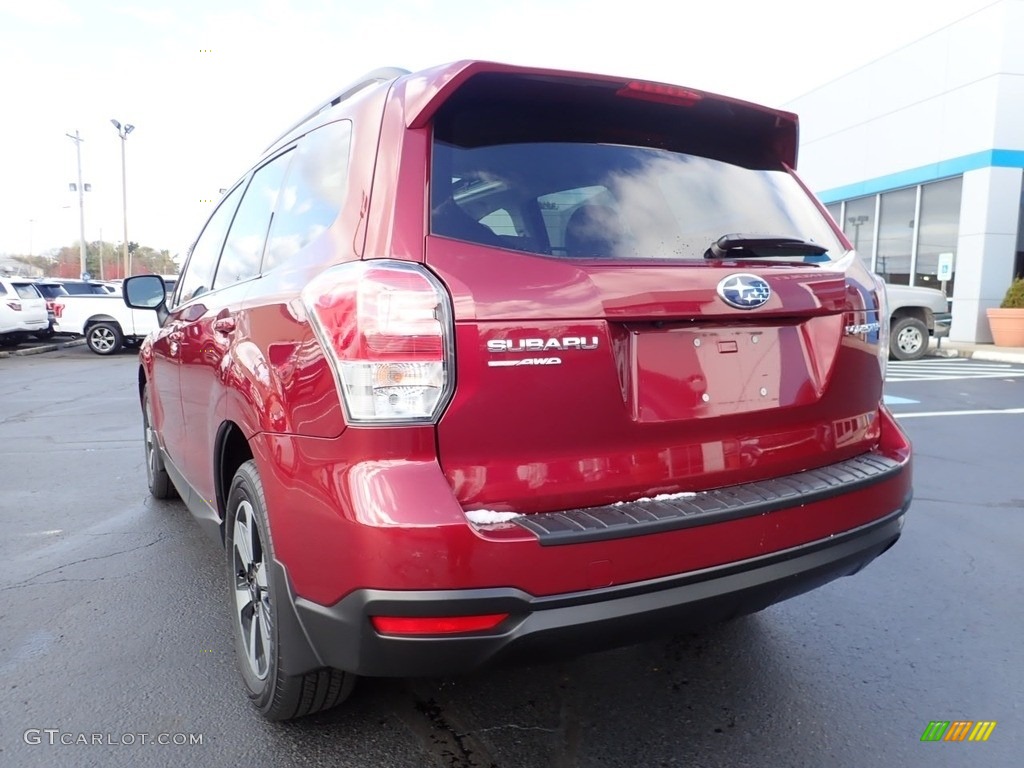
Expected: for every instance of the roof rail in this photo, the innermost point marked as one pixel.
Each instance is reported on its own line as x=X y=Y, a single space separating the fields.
x=376 y=76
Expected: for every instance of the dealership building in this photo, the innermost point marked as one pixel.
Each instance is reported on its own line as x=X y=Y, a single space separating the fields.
x=919 y=155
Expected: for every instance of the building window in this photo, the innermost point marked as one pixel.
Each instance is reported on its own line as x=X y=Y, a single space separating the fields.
x=1018 y=261
x=896 y=235
x=885 y=240
x=938 y=231
x=859 y=227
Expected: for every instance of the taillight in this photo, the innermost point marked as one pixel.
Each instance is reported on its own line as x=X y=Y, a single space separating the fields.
x=15 y=305
x=883 y=325
x=386 y=328
x=58 y=309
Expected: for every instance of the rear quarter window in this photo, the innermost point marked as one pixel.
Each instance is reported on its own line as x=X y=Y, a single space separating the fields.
x=313 y=191
x=27 y=291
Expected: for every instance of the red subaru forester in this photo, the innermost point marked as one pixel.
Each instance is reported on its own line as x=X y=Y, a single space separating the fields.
x=487 y=362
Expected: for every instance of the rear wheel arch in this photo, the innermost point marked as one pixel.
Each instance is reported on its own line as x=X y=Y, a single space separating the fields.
x=918 y=313
x=100 y=319
x=231 y=450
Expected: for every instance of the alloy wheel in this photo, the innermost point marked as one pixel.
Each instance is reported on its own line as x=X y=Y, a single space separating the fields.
x=252 y=595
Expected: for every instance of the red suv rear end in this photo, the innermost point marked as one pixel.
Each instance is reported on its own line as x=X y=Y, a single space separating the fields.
x=484 y=363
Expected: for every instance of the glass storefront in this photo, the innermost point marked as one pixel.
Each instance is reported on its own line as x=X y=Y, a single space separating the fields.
x=894 y=254
x=907 y=234
x=938 y=232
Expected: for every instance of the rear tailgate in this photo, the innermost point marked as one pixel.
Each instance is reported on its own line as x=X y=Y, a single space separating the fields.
x=603 y=352
x=647 y=383
x=33 y=305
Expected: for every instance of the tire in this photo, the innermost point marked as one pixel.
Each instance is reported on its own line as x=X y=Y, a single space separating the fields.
x=160 y=485
x=254 y=604
x=104 y=338
x=44 y=335
x=908 y=339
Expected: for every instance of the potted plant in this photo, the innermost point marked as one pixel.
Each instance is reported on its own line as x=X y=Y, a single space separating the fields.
x=1007 y=320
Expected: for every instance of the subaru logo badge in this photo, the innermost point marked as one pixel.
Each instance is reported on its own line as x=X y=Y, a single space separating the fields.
x=744 y=291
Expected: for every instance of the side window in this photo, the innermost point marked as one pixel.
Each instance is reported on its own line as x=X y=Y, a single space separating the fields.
x=202 y=261
x=243 y=249
x=501 y=222
x=313 y=192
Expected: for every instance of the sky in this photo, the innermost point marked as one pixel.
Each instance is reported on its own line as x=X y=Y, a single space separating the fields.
x=208 y=84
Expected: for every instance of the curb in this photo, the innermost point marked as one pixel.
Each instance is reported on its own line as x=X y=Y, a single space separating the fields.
x=42 y=348
x=998 y=357
x=988 y=355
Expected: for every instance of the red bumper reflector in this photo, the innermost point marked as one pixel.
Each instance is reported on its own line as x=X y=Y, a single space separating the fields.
x=436 y=625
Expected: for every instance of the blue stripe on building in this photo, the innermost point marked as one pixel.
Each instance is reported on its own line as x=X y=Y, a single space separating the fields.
x=990 y=158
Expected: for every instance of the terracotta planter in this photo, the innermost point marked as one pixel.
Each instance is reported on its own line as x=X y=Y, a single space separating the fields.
x=1007 y=326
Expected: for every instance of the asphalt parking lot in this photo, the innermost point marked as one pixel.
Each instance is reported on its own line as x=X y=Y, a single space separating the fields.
x=114 y=621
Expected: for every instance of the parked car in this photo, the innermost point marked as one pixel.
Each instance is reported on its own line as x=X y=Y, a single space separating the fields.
x=170 y=283
x=472 y=365
x=84 y=287
x=22 y=311
x=104 y=320
x=51 y=291
x=916 y=314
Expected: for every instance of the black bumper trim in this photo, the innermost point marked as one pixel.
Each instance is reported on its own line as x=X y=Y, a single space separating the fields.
x=640 y=518
x=538 y=628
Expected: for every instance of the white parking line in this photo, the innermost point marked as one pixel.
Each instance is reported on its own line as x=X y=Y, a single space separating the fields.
x=950 y=369
x=988 y=412
x=893 y=400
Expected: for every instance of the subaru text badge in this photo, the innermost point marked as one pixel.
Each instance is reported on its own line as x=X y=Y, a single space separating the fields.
x=744 y=291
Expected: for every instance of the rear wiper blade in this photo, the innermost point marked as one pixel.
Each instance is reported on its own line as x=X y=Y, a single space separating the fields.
x=736 y=246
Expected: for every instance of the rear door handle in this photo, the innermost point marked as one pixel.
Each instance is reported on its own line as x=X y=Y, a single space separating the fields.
x=224 y=324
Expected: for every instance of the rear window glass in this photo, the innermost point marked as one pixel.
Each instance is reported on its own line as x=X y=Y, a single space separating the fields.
x=532 y=184
x=27 y=291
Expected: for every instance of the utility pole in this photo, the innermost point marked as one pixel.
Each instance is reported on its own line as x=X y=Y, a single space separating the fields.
x=81 y=201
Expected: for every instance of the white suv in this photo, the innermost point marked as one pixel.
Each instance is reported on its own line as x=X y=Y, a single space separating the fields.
x=22 y=311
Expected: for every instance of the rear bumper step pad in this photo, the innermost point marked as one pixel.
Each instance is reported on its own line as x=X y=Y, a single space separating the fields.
x=639 y=518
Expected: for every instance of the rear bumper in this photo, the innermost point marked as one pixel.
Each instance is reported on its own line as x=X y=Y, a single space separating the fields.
x=28 y=326
x=342 y=636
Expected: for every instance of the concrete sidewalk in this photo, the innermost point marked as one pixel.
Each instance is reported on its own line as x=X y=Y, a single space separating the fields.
x=989 y=352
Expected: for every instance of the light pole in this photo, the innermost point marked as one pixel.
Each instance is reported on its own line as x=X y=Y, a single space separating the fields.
x=81 y=202
x=857 y=222
x=123 y=132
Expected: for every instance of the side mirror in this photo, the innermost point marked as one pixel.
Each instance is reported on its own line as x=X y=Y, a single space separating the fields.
x=146 y=292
